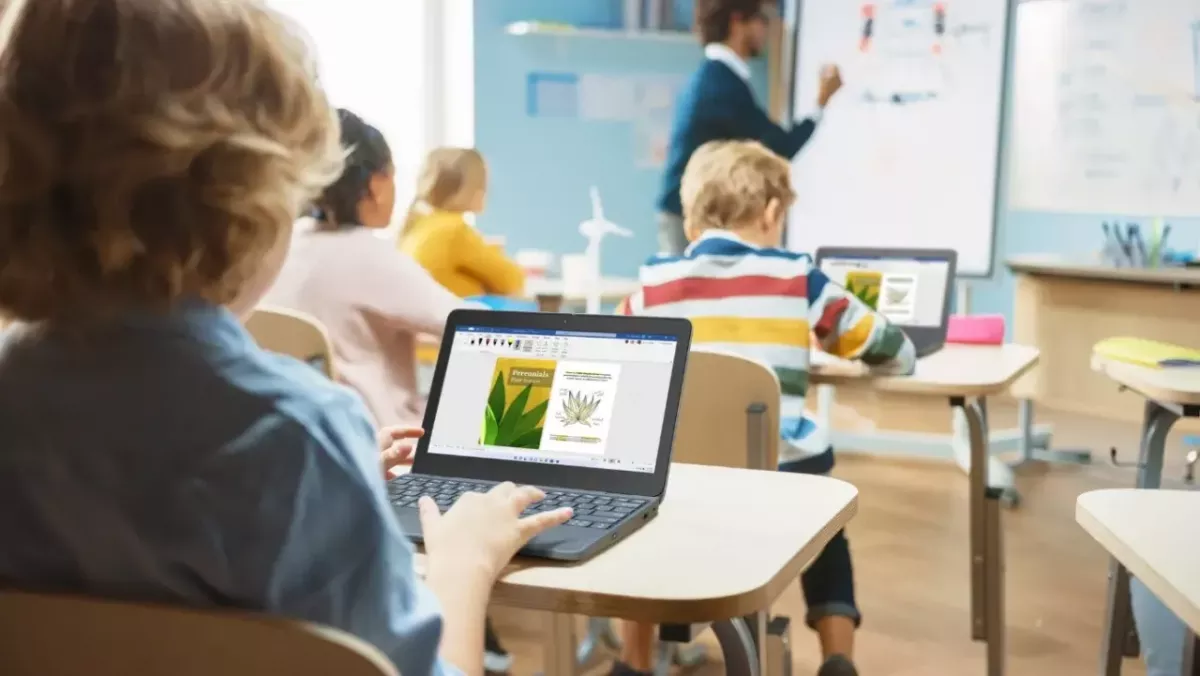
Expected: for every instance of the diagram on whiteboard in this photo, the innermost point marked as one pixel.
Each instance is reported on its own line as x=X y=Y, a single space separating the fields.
x=906 y=154
x=903 y=49
x=1107 y=107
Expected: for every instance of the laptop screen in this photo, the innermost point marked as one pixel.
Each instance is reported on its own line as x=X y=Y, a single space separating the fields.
x=908 y=290
x=594 y=400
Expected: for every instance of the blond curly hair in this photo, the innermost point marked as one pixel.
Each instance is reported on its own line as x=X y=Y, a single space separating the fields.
x=729 y=183
x=150 y=150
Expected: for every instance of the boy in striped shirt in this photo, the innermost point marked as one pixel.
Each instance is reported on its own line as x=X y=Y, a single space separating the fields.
x=746 y=295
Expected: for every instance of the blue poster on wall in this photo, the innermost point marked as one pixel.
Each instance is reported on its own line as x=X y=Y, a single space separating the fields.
x=552 y=95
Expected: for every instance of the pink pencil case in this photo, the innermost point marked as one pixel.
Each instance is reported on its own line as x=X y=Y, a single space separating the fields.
x=976 y=329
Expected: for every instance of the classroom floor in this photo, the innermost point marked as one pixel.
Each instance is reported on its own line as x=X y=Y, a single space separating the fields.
x=910 y=546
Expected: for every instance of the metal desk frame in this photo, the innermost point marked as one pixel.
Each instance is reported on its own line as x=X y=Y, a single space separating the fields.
x=987 y=540
x=1120 y=636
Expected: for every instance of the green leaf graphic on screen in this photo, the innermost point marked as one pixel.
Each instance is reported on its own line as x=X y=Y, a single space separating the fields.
x=510 y=424
x=867 y=293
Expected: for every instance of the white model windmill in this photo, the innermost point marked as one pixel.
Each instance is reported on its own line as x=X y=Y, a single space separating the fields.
x=595 y=229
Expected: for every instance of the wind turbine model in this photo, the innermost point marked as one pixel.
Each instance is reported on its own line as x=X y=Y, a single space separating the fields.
x=595 y=229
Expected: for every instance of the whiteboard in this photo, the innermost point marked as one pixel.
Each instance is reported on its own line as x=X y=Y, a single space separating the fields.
x=908 y=153
x=1106 y=118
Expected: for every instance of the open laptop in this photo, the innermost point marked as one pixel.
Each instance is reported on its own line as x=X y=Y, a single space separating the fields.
x=911 y=287
x=582 y=406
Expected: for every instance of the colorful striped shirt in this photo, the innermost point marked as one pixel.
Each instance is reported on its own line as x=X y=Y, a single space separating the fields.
x=764 y=304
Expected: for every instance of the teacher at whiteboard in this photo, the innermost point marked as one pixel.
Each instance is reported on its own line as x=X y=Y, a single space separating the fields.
x=717 y=103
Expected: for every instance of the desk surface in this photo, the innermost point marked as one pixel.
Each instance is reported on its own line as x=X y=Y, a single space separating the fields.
x=1049 y=264
x=1166 y=385
x=702 y=559
x=955 y=370
x=1149 y=532
x=611 y=288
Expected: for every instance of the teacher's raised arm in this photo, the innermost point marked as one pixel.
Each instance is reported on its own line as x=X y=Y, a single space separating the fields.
x=717 y=103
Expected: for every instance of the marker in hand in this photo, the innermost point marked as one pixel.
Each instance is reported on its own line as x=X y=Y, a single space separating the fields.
x=831 y=82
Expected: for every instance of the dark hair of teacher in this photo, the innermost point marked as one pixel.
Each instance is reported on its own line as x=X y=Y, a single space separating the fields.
x=714 y=17
x=717 y=103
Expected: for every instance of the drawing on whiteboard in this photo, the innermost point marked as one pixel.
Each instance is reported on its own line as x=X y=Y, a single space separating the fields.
x=1107 y=107
x=904 y=49
x=1172 y=168
x=929 y=167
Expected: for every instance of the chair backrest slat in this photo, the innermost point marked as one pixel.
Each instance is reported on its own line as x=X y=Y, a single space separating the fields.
x=294 y=334
x=50 y=635
x=729 y=412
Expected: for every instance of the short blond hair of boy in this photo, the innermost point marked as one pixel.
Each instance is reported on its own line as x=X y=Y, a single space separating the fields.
x=729 y=183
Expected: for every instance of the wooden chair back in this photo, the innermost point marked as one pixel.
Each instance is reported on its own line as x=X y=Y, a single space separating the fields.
x=729 y=412
x=48 y=635
x=294 y=334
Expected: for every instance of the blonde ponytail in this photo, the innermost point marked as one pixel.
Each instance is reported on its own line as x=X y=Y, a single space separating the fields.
x=416 y=209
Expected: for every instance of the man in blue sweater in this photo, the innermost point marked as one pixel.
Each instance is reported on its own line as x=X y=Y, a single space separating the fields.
x=717 y=103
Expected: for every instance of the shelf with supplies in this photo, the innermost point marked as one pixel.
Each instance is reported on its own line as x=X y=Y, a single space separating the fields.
x=561 y=30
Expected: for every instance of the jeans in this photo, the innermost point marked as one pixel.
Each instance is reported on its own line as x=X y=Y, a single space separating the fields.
x=828 y=583
x=1161 y=634
x=671 y=237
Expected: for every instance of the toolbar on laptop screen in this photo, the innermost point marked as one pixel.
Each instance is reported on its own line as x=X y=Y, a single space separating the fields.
x=555 y=397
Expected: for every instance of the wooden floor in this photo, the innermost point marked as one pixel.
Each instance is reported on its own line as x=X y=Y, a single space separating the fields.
x=909 y=542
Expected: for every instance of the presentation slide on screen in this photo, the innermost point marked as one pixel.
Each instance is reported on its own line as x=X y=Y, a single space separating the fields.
x=907 y=292
x=549 y=405
x=894 y=295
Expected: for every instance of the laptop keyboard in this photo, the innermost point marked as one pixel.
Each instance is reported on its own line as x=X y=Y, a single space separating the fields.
x=592 y=510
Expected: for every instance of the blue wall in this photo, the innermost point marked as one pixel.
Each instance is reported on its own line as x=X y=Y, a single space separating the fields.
x=542 y=167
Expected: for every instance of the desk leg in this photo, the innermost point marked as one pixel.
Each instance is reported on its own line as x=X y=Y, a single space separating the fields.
x=987 y=552
x=1036 y=448
x=1156 y=422
x=999 y=475
x=1119 y=618
x=600 y=635
x=1191 y=655
x=737 y=647
x=1120 y=636
x=559 y=648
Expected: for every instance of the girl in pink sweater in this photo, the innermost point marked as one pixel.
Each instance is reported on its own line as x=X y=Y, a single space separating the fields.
x=373 y=300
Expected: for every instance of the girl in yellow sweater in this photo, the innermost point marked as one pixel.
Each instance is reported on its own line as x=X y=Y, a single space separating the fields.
x=453 y=181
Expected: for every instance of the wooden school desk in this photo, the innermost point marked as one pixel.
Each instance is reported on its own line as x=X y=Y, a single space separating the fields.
x=701 y=560
x=1170 y=394
x=1063 y=307
x=965 y=375
x=552 y=294
x=1149 y=532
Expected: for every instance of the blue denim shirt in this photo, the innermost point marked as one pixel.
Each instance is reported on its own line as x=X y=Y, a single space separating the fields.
x=171 y=460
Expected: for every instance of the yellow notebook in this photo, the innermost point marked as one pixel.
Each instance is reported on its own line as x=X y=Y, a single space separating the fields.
x=1149 y=353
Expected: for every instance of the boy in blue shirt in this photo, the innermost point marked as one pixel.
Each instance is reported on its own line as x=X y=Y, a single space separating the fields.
x=158 y=154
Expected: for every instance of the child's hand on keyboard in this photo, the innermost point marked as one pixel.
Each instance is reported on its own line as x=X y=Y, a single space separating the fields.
x=483 y=531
